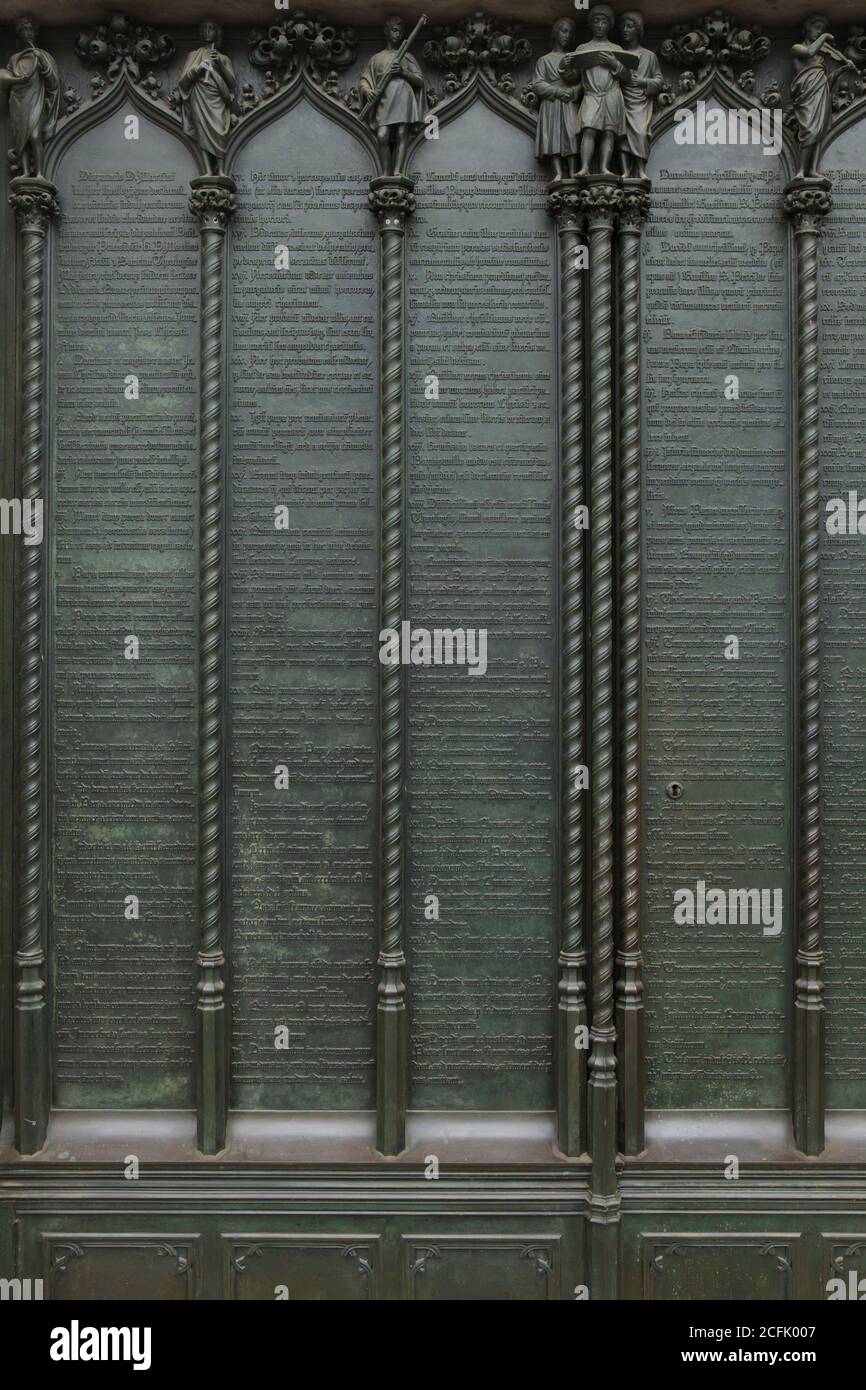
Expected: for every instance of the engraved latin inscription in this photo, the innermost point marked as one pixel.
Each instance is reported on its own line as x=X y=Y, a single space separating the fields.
x=303 y=672
x=124 y=564
x=843 y=586
x=482 y=469
x=716 y=565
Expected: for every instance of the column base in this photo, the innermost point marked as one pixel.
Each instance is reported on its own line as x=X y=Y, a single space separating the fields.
x=32 y=1070
x=809 y=1032
x=630 y=1059
x=391 y=1077
x=571 y=1136
x=211 y=1067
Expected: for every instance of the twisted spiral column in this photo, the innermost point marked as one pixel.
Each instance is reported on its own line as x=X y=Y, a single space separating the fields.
x=35 y=204
x=807 y=203
x=629 y=985
x=392 y=200
x=602 y=198
x=212 y=201
x=566 y=207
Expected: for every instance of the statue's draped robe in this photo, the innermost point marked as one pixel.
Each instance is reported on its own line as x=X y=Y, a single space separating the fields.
x=810 y=94
x=207 y=102
x=34 y=106
x=639 y=106
x=401 y=104
x=557 y=131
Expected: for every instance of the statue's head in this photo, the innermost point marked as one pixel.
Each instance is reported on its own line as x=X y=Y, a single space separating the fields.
x=631 y=26
x=564 y=33
x=815 y=26
x=210 y=32
x=395 y=30
x=601 y=20
x=26 y=29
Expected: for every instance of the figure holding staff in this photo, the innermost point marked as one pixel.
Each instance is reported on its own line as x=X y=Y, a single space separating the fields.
x=393 y=88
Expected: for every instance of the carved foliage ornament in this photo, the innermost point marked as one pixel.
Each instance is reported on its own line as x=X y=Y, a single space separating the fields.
x=479 y=43
x=121 y=45
x=716 y=43
x=848 y=87
x=307 y=41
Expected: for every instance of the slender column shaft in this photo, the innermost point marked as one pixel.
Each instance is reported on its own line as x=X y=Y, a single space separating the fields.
x=565 y=205
x=212 y=201
x=35 y=204
x=807 y=202
x=602 y=194
x=391 y=198
x=629 y=994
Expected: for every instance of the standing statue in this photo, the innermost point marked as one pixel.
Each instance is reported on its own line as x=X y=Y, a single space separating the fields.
x=640 y=89
x=33 y=82
x=556 y=135
x=810 y=90
x=208 y=88
x=601 y=117
x=395 y=91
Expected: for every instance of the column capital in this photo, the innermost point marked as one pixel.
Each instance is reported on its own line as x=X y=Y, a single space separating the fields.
x=213 y=200
x=35 y=202
x=807 y=202
x=565 y=203
x=392 y=198
x=602 y=196
x=634 y=204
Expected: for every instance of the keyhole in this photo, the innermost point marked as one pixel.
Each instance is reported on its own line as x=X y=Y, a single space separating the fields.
x=674 y=790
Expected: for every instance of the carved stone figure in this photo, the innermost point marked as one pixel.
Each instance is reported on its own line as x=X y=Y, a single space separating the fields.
x=208 y=89
x=32 y=80
x=640 y=88
x=401 y=105
x=810 y=89
x=601 y=117
x=557 y=136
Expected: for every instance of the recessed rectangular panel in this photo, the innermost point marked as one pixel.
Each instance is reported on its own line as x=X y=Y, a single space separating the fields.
x=481 y=1267
x=482 y=557
x=725 y=1267
x=126 y=1267
x=123 y=621
x=843 y=1267
x=717 y=622
x=303 y=373
x=302 y=1268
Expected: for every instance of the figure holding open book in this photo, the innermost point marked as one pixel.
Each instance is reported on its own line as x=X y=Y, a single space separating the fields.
x=598 y=65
